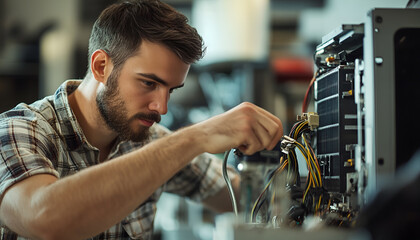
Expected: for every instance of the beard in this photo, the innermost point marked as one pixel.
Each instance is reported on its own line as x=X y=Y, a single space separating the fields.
x=114 y=112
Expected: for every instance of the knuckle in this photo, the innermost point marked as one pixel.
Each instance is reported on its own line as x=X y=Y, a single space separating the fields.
x=248 y=121
x=246 y=104
x=247 y=107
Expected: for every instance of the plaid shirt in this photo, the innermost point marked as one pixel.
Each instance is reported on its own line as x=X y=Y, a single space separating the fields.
x=45 y=138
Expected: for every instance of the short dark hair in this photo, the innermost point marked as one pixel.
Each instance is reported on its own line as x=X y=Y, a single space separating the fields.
x=121 y=28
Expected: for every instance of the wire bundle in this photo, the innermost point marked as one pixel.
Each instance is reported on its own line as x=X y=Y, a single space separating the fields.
x=315 y=197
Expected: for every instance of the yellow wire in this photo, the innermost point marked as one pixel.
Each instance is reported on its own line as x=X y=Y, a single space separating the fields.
x=314 y=178
x=319 y=203
x=289 y=174
x=314 y=159
x=309 y=186
x=298 y=128
x=295 y=165
x=308 y=162
x=317 y=172
x=296 y=131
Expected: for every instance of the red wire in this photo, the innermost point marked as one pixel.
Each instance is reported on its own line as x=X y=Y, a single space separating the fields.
x=305 y=100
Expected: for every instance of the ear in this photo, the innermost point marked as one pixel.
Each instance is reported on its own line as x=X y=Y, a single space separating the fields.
x=100 y=65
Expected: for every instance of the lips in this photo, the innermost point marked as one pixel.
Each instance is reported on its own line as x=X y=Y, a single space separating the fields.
x=147 y=123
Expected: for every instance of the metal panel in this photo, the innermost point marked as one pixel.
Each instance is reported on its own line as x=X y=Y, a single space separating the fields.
x=379 y=81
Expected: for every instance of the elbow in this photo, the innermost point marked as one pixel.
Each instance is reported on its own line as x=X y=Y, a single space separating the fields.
x=47 y=225
x=41 y=227
x=32 y=223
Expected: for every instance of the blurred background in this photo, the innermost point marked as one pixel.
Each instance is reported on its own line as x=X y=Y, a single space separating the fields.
x=257 y=50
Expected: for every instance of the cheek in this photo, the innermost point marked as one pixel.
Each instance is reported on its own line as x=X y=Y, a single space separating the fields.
x=136 y=99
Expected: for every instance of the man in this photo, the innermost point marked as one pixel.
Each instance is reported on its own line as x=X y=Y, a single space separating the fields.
x=92 y=160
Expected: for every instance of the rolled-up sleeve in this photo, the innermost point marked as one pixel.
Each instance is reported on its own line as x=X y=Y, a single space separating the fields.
x=24 y=151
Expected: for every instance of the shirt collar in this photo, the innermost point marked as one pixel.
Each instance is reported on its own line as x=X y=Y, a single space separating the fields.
x=70 y=128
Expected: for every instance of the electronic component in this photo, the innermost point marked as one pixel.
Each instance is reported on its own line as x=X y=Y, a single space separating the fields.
x=336 y=135
x=364 y=87
x=312 y=117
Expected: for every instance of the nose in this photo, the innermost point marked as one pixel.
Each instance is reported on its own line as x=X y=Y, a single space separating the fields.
x=159 y=102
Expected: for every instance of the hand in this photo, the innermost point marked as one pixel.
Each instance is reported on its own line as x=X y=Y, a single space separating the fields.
x=246 y=127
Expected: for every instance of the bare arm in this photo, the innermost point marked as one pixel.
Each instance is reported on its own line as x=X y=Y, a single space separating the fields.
x=89 y=202
x=96 y=198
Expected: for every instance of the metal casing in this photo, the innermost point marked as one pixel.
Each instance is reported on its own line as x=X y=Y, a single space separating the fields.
x=380 y=97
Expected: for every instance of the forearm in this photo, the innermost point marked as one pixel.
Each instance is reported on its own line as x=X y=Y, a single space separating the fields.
x=98 y=197
x=89 y=202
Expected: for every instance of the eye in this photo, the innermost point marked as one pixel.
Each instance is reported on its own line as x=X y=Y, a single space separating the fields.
x=149 y=84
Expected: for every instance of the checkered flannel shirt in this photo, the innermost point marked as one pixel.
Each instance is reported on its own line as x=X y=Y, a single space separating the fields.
x=45 y=138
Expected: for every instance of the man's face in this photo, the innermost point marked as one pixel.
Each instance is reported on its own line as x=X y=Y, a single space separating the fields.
x=133 y=99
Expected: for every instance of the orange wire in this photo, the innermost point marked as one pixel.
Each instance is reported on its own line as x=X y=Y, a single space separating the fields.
x=305 y=99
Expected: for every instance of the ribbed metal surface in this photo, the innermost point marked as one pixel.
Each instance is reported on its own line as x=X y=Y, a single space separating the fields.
x=337 y=126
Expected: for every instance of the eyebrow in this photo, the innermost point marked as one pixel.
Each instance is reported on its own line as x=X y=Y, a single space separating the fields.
x=158 y=79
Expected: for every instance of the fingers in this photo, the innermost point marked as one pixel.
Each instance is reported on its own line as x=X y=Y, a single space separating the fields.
x=272 y=125
x=246 y=127
x=255 y=139
x=267 y=129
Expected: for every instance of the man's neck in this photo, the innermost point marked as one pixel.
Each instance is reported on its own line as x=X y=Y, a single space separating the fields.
x=83 y=103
